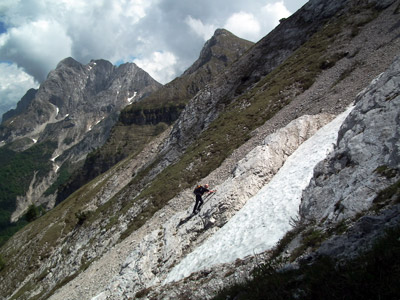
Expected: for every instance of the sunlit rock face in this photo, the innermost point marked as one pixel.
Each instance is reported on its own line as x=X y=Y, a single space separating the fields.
x=367 y=158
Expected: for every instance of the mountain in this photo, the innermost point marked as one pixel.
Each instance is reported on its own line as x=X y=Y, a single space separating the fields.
x=53 y=128
x=300 y=185
x=141 y=121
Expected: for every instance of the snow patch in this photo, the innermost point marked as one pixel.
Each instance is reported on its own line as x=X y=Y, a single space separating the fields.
x=264 y=219
x=130 y=99
x=54 y=158
x=34 y=140
x=97 y=122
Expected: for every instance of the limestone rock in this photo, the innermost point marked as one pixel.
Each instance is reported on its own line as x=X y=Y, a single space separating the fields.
x=367 y=158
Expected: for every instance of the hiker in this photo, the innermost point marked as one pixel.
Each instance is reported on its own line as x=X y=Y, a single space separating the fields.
x=199 y=191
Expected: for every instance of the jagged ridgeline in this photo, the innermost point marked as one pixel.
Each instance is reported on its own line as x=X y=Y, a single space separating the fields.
x=53 y=128
x=316 y=61
x=143 y=120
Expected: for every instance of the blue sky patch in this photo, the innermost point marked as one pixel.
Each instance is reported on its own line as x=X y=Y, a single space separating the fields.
x=3 y=28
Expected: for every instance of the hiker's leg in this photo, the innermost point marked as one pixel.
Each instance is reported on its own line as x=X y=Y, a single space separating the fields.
x=198 y=199
x=195 y=207
x=200 y=203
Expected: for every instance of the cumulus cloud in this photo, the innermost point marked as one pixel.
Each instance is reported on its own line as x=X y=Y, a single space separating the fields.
x=204 y=30
x=37 y=34
x=36 y=46
x=14 y=83
x=245 y=25
x=275 y=12
x=160 y=65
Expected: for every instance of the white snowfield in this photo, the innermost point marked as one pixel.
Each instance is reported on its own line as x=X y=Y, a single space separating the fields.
x=265 y=218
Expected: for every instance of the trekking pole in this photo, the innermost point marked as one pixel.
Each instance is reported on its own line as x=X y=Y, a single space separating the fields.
x=207 y=197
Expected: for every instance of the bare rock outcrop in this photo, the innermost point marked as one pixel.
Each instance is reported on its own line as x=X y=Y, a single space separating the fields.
x=367 y=158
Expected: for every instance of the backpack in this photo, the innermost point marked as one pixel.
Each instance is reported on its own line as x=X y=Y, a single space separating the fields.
x=195 y=191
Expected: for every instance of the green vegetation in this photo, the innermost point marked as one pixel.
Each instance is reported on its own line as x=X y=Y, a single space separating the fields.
x=386 y=172
x=17 y=170
x=2 y=263
x=82 y=216
x=45 y=234
x=311 y=238
x=123 y=141
x=391 y=193
x=373 y=275
x=64 y=174
x=33 y=213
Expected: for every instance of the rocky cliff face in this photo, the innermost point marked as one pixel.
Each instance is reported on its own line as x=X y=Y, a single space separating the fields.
x=75 y=107
x=121 y=234
x=72 y=91
x=366 y=160
x=141 y=121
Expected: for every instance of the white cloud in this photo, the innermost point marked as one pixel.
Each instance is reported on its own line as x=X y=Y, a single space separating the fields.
x=37 y=46
x=204 y=30
x=42 y=32
x=14 y=83
x=273 y=12
x=244 y=25
x=160 y=66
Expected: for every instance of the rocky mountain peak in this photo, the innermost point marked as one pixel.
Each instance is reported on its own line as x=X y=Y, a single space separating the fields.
x=74 y=109
x=21 y=105
x=221 y=31
x=223 y=46
x=69 y=62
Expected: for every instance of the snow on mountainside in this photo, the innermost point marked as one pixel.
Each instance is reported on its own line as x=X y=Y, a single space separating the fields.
x=265 y=218
x=266 y=206
x=126 y=234
x=180 y=234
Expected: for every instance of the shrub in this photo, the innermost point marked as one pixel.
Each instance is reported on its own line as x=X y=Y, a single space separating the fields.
x=373 y=275
x=33 y=213
x=82 y=216
x=2 y=263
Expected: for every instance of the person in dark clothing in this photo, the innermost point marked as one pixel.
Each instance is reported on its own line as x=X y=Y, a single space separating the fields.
x=199 y=192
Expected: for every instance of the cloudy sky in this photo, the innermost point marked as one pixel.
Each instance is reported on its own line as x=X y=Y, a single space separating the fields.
x=164 y=37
